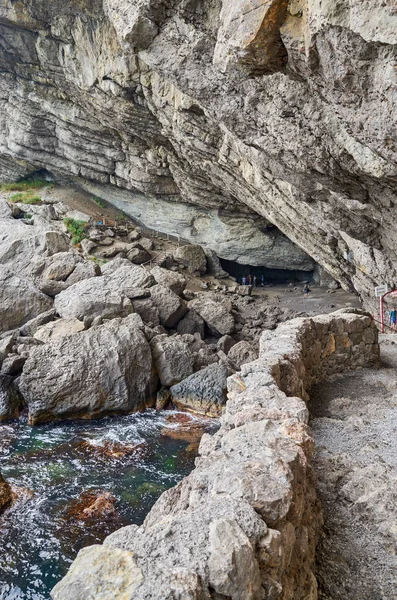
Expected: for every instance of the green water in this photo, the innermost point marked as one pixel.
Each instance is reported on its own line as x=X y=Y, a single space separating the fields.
x=56 y=463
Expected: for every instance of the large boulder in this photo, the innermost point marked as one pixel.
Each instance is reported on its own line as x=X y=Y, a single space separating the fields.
x=240 y=354
x=172 y=358
x=83 y=270
x=175 y=281
x=148 y=311
x=20 y=300
x=191 y=323
x=10 y=399
x=95 y=297
x=170 y=306
x=203 y=392
x=216 y=312
x=60 y=266
x=107 y=369
x=193 y=257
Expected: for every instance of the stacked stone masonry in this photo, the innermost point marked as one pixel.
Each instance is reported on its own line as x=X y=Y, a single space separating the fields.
x=244 y=524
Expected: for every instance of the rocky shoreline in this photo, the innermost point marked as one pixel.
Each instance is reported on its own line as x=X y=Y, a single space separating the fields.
x=244 y=524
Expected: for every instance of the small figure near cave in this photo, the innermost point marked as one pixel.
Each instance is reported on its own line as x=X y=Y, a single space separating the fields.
x=393 y=318
x=243 y=281
x=306 y=290
x=254 y=280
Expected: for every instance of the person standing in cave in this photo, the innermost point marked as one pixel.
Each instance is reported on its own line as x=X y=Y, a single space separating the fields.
x=249 y=279
x=243 y=281
x=262 y=280
x=254 y=280
x=306 y=290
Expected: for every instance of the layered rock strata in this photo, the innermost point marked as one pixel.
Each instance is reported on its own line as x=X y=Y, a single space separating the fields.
x=213 y=117
x=244 y=523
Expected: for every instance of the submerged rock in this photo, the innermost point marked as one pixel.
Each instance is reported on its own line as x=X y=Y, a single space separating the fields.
x=107 y=369
x=203 y=392
x=5 y=494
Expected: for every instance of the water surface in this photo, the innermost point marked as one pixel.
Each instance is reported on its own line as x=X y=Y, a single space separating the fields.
x=60 y=469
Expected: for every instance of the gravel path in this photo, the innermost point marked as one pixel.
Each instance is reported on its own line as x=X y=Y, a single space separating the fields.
x=354 y=421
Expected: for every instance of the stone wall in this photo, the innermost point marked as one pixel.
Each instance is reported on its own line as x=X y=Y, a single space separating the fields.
x=244 y=523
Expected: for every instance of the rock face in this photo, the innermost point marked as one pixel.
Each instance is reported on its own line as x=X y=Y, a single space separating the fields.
x=10 y=400
x=203 y=392
x=244 y=523
x=107 y=369
x=20 y=300
x=215 y=310
x=172 y=359
x=234 y=118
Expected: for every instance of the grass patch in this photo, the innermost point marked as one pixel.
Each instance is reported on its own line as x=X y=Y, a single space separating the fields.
x=98 y=201
x=25 y=185
x=98 y=261
x=77 y=229
x=26 y=198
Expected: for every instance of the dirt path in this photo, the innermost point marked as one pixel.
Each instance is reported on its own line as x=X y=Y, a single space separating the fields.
x=354 y=421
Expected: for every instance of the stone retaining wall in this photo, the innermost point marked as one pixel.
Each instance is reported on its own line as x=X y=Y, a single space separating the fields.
x=244 y=523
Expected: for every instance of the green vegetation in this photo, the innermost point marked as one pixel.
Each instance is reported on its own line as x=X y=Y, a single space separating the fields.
x=25 y=185
x=77 y=229
x=98 y=201
x=26 y=198
x=98 y=261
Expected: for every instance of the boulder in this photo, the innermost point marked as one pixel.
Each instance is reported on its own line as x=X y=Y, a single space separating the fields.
x=203 y=392
x=13 y=364
x=10 y=401
x=225 y=343
x=107 y=369
x=172 y=359
x=170 y=306
x=60 y=266
x=112 y=571
x=240 y=354
x=138 y=255
x=129 y=277
x=5 y=494
x=92 y=298
x=214 y=265
x=20 y=300
x=216 y=312
x=83 y=270
x=50 y=287
x=58 y=329
x=175 y=281
x=192 y=323
x=30 y=328
x=148 y=311
x=193 y=257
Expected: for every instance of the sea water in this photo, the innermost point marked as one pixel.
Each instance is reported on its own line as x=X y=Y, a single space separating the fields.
x=55 y=469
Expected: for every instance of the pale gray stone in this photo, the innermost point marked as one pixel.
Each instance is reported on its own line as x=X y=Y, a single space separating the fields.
x=171 y=308
x=175 y=281
x=203 y=392
x=107 y=369
x=172 y=359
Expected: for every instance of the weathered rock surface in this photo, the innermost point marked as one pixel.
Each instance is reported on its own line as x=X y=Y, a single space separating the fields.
x=171 y=308
x=10 y=401
x=203 y=392
x=107 y=369
x=216 y=312
x=58 y=329
x=172 y=359
x=95 y=297
x=191 y=323
x=279 y=115
x=20 y=300
x=175 y=281
x=240 y=354
x=193 y=257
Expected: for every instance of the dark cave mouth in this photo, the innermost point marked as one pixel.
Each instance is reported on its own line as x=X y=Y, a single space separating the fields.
x=271 y=276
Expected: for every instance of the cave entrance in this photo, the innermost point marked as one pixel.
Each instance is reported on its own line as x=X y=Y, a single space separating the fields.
x=274 y=276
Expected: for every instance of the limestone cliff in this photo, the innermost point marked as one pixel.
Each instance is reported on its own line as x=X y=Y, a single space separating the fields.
x=228 y=109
